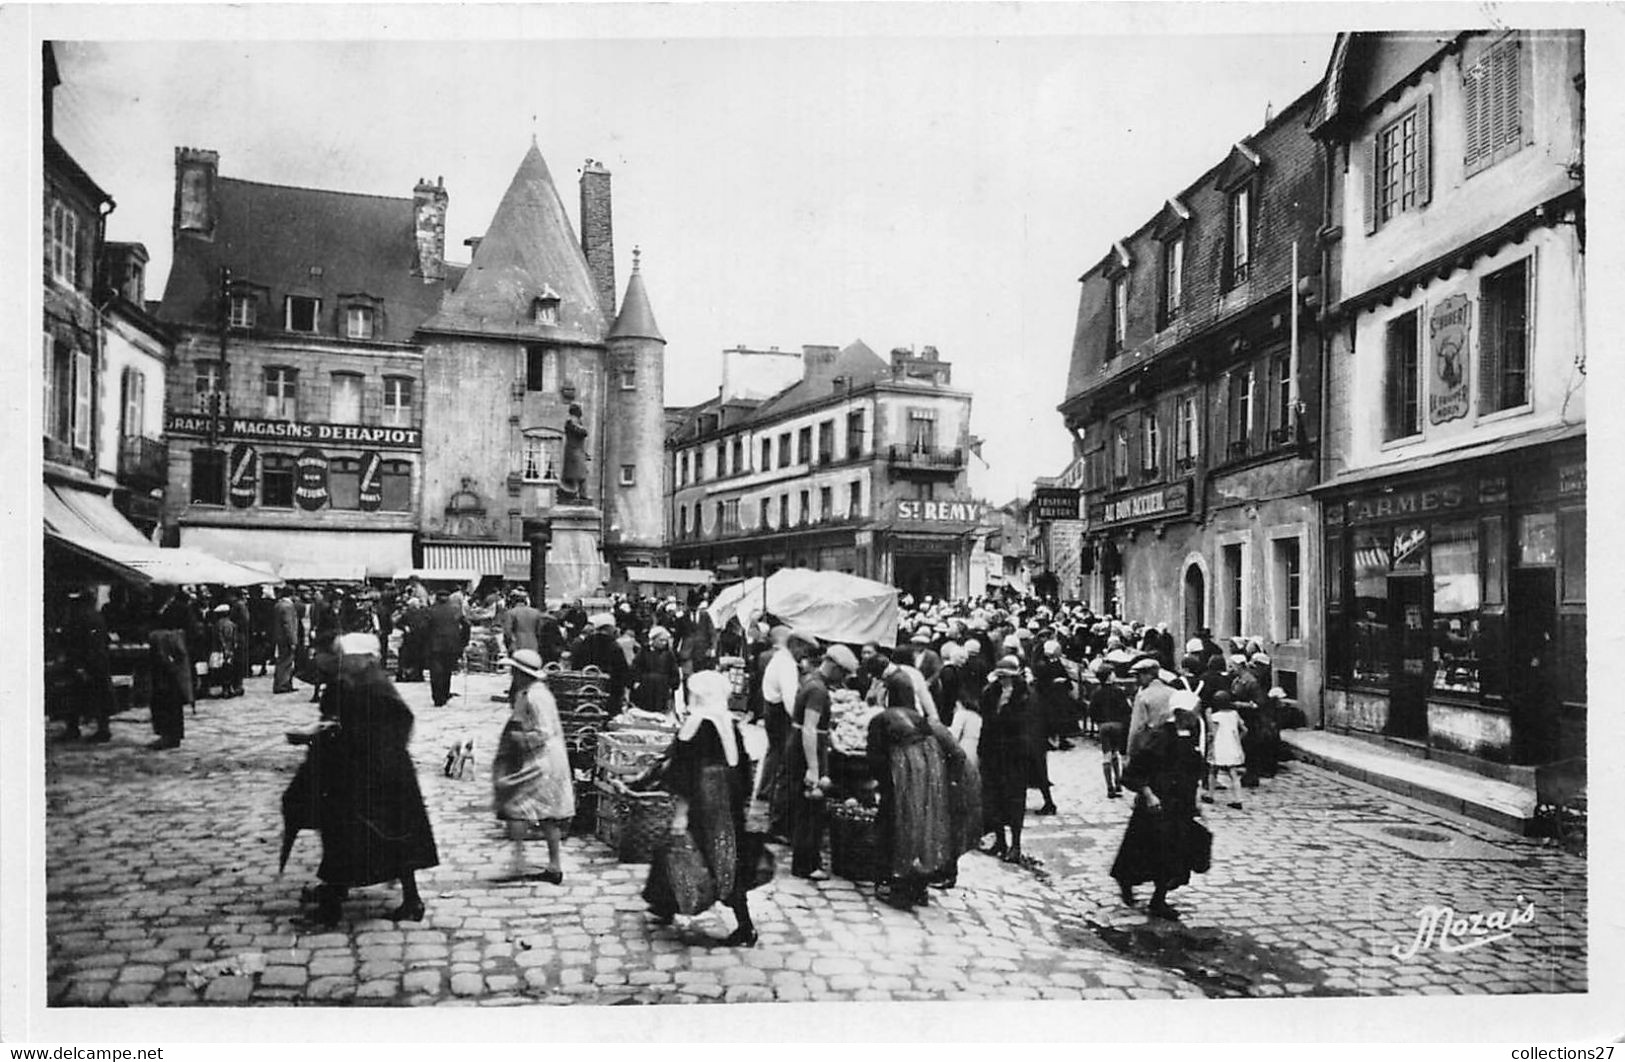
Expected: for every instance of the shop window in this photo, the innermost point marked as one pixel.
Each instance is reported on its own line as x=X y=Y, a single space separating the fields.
x=1402 y=380
x=398 y=401
x=1571 y=527
x=1495 y=553
x=1457 y=605
x=1537 y=540
x=208 y=477
x=344 y=398
x=1289 y=588
x=1337 y=627
x=1503 y=345
x=344 y=483
x=541 y=369
x=1372 y=657
x=395 y=482
x=277 y=475
x=1233 y=588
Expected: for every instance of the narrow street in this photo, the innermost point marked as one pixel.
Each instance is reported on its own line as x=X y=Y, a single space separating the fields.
x=163 y=890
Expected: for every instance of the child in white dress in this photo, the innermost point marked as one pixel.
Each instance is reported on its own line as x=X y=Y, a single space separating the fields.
x=1224 y=750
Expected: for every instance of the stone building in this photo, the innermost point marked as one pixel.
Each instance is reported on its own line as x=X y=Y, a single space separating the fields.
x=1059 y=539
x=859 y=465
x=295 y=413
x=527 y=335
x=1454 y=499
x=1193 y=399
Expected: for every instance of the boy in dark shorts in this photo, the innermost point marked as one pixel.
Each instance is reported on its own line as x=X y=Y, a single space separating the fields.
x=1109 y=708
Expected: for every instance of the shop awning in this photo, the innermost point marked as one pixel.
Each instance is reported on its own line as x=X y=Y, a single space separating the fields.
x=484 y=558
x=305 y=555
x=87 y=526
x=1490 y=448
x=671 y=576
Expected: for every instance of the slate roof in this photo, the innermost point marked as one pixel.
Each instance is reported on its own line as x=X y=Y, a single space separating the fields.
x=856 y=362
x=271 y=236
x=636 y=319
x=530 y=249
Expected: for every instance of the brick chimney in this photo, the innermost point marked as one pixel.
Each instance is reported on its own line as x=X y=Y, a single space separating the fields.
x=429 y=228
x=598 y=233
x=196 y=207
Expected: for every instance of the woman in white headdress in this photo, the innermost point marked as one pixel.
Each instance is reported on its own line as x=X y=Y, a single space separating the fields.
x=708 y=773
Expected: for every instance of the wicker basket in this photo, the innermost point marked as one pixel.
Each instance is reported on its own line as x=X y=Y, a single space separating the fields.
x=628 y=753
x=852 y=842
x=632 y=824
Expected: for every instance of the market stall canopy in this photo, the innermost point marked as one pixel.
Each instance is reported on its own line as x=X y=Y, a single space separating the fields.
x=833 y=606
x=466 y=576
x=671 y=576
x=87 y=526
x=306 y=554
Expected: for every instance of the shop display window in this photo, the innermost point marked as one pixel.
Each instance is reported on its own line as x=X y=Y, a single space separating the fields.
x=1457 y=604
x=1537 y=540
x=1373 y=651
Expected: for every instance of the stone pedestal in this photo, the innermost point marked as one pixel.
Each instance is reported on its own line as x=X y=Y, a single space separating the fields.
x=575 y=563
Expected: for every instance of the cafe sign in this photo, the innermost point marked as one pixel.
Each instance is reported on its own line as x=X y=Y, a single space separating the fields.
x=255 y=429
x=310 y=480
x=243 y=483
x=1447 y=345
x=1157 y=503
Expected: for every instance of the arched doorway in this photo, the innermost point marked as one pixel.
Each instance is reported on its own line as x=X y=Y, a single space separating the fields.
x=1195 y=600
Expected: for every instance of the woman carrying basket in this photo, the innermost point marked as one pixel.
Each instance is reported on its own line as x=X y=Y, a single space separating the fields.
x=708 y=857
x=530 y=773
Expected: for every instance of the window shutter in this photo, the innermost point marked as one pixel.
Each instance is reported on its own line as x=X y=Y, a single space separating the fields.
x=1489 y=351
x=81 y=400
x=1424 y=150
x=1371 y=184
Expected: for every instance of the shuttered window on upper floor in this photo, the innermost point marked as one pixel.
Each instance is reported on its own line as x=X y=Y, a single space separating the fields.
x=1495 y=92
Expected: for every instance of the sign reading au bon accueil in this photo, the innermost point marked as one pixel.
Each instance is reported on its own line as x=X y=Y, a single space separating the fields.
x=295 y=431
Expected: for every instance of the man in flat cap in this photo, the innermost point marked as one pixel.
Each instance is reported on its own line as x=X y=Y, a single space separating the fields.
x=806 y=760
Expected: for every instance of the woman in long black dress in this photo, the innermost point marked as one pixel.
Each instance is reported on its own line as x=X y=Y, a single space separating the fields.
x=914 y=833
x=654 y=673
x=366 y=800
x=1007 y=758
x=1161 y=838
x=709 y=775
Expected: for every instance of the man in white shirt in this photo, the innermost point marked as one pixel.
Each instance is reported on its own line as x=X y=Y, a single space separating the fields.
x=780 y=680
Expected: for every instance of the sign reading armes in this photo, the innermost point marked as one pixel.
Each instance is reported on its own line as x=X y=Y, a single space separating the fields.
x=296 y=431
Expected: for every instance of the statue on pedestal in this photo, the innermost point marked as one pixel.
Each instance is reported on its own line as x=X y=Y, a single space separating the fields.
x=573 y=484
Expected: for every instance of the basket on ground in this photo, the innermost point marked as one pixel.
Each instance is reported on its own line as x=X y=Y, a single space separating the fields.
x=625 y=754
x=632 y=824
x=852 y=841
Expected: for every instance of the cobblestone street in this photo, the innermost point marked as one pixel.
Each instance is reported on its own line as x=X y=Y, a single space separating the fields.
x=163 y=890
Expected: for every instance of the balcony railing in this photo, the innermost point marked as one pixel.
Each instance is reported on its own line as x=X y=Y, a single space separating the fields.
x=909 y=456
x=143 y=462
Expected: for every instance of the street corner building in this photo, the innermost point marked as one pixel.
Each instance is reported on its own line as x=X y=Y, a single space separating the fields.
x=1333 y=395
x=828 y=458
x=349 y=404
x=1454 y=492
x=1193 y=400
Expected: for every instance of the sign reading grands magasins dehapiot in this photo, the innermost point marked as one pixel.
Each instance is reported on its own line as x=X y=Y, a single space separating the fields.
x=295 y=431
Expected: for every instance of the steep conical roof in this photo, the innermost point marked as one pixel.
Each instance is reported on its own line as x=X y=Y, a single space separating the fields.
x=636 y=320
x=530 y=252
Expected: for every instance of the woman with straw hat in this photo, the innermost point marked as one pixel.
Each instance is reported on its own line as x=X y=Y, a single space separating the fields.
x=530 y=774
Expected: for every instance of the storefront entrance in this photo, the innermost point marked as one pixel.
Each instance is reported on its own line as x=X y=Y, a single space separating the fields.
x=1533 y=663
x=1408 y=604
x=922 y=576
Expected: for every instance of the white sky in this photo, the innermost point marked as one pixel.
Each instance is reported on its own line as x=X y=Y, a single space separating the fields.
x=905 y=189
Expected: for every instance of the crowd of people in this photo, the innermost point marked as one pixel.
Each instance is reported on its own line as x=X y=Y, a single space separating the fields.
x=967 y=708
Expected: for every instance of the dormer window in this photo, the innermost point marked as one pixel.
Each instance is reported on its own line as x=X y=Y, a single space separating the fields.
x=544 y=309
x=301 y=313
x=358 y=322
x=1170 y=232
x=244 y=310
